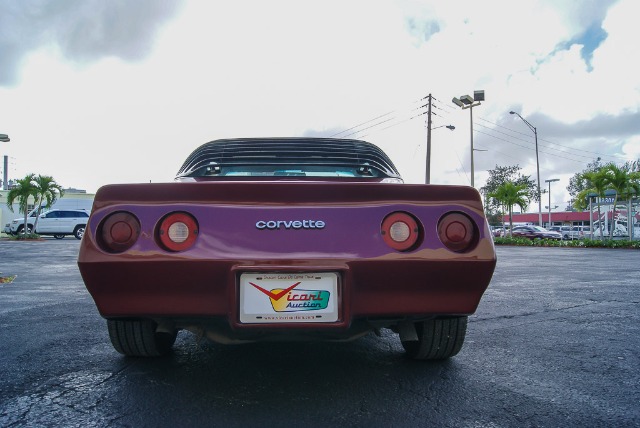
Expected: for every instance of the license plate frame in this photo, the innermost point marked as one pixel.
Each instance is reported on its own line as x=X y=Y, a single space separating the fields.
x=288 y=298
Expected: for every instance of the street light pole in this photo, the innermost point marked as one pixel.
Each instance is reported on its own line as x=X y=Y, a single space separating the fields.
x=550 y=181
x=535 y=134
x=469 y=102
x=5 y=139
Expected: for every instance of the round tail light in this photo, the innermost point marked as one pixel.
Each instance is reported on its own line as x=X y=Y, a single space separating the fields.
x=118 y=232
x=400 y=231
x=178 y=231
x=457 y=232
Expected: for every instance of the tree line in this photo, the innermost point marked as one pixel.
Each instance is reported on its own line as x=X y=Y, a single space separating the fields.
x=508 y=187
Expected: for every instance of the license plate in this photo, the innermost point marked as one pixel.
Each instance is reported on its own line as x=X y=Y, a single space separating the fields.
x=273 y=298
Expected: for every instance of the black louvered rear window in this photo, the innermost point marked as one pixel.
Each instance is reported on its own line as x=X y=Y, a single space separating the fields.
x=288 y=157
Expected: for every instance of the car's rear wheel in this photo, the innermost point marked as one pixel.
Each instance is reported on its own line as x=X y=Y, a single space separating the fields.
x=139 y=338
x=438 y=339
x=79 y=232
x=58 y=236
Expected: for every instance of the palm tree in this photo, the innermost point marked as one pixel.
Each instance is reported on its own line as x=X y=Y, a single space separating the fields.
x=596 y=184
x=625 y=183
x=510 y=194
x=46 y=189
x=23 y=189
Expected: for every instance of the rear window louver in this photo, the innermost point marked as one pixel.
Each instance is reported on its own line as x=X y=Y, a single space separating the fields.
x=288 y=151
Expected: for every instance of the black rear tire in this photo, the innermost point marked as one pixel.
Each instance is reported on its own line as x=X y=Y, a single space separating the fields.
x=438 y=339
x=139 y=338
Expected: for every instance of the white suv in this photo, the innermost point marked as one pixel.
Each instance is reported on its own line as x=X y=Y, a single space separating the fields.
x=58 y=223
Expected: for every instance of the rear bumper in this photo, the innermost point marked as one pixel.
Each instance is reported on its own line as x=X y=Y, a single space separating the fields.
x=209 y=290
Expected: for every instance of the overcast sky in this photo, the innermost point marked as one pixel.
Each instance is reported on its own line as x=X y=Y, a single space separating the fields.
x=94 y=92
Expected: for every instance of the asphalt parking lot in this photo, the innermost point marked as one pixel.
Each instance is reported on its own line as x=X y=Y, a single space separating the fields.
x=554 y=342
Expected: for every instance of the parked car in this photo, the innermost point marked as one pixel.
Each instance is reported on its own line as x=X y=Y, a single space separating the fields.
x=535 y=232
x=572 y=232
x=287 y=239
x=58 y=223
x=581 y=232
x=565 y=231
x=69 y=202
x=499 y=231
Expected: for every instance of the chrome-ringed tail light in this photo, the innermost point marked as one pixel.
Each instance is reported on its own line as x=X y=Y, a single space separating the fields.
x=401 y=231
x=177 y=231
x=118 y=232
x=458 y=232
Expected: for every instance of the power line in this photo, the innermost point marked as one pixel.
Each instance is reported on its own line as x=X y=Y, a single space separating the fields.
x=391 y=126
x=368 y=127
x=527 y=141
x=556 y=144
x=386 y=127
x=359 y=127
x=493 y=149
x=353 y=128
x=399 y=116
x=461 y=165
x=360 y=124
x=530 y=148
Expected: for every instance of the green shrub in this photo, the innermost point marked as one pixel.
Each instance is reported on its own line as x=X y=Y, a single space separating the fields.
x=586 y=243
x=25 y=236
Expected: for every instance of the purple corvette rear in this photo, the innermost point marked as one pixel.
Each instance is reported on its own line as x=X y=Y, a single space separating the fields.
x=287 y=239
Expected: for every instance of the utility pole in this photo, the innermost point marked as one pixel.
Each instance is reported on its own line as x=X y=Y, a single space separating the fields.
x=428 y=105
x=427 y=179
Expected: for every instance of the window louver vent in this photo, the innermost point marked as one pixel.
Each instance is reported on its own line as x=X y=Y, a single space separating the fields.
x=288 y=151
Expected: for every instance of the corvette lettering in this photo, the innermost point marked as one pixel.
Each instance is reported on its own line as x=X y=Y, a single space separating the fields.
x=290 y=224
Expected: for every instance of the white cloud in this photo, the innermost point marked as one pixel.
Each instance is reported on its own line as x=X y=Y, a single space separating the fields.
x=284 y=68
x=631 y=148
x=617 y=86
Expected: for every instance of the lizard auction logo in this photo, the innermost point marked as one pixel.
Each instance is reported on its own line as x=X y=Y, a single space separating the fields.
x=295 y=300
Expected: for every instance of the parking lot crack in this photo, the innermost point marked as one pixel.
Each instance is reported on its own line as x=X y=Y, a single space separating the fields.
x=546 y=311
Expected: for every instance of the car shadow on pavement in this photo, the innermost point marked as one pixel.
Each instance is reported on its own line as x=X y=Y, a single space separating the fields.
x=305 y=382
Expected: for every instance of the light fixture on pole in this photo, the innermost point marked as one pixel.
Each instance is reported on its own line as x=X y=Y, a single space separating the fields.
x=427 y=176
x=464 y=102
x=5 y=139
x=535 y=133
x=550 y=181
